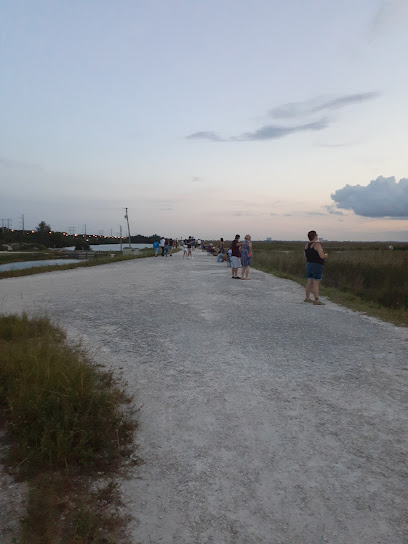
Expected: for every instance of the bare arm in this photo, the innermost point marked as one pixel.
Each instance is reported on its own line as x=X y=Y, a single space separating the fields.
x=320 y=251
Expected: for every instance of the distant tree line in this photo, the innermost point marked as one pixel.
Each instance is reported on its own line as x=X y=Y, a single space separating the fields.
x=140 y=239
x=43 y=235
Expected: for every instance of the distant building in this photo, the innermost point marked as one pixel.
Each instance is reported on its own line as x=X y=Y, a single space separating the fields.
x=268 y=240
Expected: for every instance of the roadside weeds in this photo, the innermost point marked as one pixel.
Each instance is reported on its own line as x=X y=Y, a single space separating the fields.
x=69 y=432
x=398 y=317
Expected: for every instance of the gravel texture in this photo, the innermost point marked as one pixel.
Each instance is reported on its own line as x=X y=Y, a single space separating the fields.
x=264 y=419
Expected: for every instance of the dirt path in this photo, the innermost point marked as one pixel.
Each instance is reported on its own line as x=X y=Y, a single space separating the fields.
x=265 y=420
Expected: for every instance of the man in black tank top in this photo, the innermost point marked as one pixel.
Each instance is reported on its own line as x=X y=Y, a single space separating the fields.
x=315 y=259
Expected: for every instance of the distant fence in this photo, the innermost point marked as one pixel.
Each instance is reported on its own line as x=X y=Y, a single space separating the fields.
x=78 y=254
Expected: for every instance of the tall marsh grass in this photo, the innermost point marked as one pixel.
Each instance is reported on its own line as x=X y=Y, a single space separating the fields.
x=372 y=272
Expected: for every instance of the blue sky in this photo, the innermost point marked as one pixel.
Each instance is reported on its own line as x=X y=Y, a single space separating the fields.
x=206 y=117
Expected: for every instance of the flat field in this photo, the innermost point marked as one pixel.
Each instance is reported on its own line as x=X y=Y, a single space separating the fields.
x=370 y=273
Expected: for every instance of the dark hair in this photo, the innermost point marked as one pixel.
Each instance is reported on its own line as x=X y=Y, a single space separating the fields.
x=311 y=234
x=221 y=239
x=237 y=236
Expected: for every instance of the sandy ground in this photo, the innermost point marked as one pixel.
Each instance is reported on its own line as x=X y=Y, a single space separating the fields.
x=264 y=419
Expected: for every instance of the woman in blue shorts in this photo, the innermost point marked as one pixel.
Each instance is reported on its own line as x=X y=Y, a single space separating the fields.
x=315 y=259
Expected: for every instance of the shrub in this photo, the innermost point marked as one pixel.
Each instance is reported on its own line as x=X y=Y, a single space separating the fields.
x=82 y=245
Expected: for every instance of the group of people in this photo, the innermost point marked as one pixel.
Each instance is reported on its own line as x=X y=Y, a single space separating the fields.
x=189 y=244
x=166 y=246
x=239 y=255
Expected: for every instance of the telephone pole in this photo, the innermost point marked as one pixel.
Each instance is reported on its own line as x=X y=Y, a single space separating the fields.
x=22 y=222
x=9 y=224
x=127 y=219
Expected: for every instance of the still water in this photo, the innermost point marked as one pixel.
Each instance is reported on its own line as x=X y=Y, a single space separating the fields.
x=114 y=247
x=30 y=264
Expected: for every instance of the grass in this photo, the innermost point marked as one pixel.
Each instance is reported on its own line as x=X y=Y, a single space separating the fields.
x=366 y=277
x=103 y=258
x=66 y=420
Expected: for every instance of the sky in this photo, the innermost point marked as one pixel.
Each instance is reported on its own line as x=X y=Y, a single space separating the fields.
x=206 y=117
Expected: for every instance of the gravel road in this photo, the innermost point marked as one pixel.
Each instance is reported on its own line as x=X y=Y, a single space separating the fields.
x=264 y=420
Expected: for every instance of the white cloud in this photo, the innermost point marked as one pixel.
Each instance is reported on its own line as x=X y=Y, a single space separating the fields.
x=383 y=197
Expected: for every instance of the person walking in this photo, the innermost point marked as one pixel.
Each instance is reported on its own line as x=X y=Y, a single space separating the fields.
x=235 y=257
x=315 y=259
x=162 y=244
x=156 y=248
x=246 y=256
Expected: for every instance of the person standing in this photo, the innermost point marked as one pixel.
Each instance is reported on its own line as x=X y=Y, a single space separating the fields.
x=235 y=257
x=170 y=243
x=229 y=253
x=246 y=256
x=162 y=244
x=189 y=247
x=222 y=250
x=315 y=259
x=156 y=248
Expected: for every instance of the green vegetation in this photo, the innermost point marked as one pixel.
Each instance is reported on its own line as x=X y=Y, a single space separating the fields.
x=97 y=259
x=65 y=419
x=368 y=277
x=43 y=235
x=82 y=245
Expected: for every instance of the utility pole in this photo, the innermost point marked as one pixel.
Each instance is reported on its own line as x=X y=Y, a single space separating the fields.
x=85 y=230
x=127 y=219
x=121 y=238
x=9 y=224
x=71 y=230
x=22 y=221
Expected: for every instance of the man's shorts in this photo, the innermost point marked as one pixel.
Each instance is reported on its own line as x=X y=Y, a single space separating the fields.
x=314 y=271
x=235 y=262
